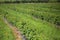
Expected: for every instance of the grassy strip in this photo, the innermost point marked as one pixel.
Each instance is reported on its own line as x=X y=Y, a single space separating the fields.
x=5 y=31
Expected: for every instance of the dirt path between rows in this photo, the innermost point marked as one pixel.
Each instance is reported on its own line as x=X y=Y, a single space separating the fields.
x=17 y=34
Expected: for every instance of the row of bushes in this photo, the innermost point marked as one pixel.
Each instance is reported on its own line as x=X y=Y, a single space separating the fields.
x=47 y=17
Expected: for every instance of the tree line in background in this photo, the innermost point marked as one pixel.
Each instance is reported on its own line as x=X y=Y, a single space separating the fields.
x=29 y=1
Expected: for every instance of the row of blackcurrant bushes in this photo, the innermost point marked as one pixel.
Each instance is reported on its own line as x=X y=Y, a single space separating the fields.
x=55 y=19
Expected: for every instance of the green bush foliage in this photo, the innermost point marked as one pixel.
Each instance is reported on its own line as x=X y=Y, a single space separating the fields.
x=35 y=21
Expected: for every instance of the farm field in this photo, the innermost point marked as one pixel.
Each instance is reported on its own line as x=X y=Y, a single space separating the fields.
x=36 y=21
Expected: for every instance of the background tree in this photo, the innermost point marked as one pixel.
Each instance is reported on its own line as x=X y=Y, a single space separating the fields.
x=58 y=0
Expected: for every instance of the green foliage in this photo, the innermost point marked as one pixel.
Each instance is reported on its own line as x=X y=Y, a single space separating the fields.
x=35 y=21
